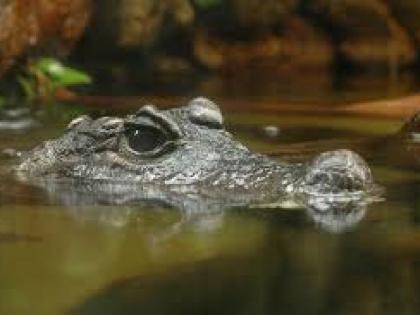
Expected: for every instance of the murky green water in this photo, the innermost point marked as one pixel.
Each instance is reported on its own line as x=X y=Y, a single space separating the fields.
x=132 y=259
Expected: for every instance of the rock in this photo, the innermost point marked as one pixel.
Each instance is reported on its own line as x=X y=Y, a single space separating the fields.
x=225 y=35
x=164 y=64
x=133 y=24
x=281 y=33
x=288 y=49
x=365 y=31
x=259 y=14
x=47 y=26
x=408 y=15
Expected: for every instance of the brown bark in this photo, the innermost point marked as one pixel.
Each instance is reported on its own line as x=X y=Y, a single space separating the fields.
x=52 y=26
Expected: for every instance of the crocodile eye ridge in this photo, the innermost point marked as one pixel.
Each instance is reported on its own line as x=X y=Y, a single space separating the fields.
x=203 y=111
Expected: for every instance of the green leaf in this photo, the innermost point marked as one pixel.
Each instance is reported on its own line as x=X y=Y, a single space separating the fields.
x=2 y=101
x=61 y=75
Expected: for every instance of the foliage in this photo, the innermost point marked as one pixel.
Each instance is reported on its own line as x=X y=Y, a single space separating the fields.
x=44 y=76
x=206 y=4
x=61 y=75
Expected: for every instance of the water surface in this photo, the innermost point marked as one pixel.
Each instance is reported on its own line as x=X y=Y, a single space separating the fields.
x=136 y=259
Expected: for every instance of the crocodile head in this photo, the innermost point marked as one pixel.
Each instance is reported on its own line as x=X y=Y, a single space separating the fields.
x=187 y=150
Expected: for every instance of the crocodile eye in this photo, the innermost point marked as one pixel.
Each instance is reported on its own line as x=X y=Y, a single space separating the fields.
x=149 y=134
x=145 y=139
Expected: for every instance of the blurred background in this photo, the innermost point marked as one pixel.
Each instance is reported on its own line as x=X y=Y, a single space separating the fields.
x=324 y=51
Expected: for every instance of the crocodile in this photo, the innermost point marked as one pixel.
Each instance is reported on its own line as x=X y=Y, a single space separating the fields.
x=185 y=157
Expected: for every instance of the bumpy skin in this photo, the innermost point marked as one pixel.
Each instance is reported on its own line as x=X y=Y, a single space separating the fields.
x=196 y=158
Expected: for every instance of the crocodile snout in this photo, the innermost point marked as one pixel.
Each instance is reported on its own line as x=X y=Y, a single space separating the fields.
x=337 y=172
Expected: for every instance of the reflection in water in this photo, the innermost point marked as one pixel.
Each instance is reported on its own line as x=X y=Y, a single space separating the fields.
x=17 y=119
x=354 y=273
x=78 y=255
x=197 y=209
x=338 y=218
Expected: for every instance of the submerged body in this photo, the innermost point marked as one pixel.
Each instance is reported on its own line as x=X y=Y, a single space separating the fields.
x=186 y=152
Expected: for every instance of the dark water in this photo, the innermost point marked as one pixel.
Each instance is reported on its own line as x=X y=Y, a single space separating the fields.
x=131 y=259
